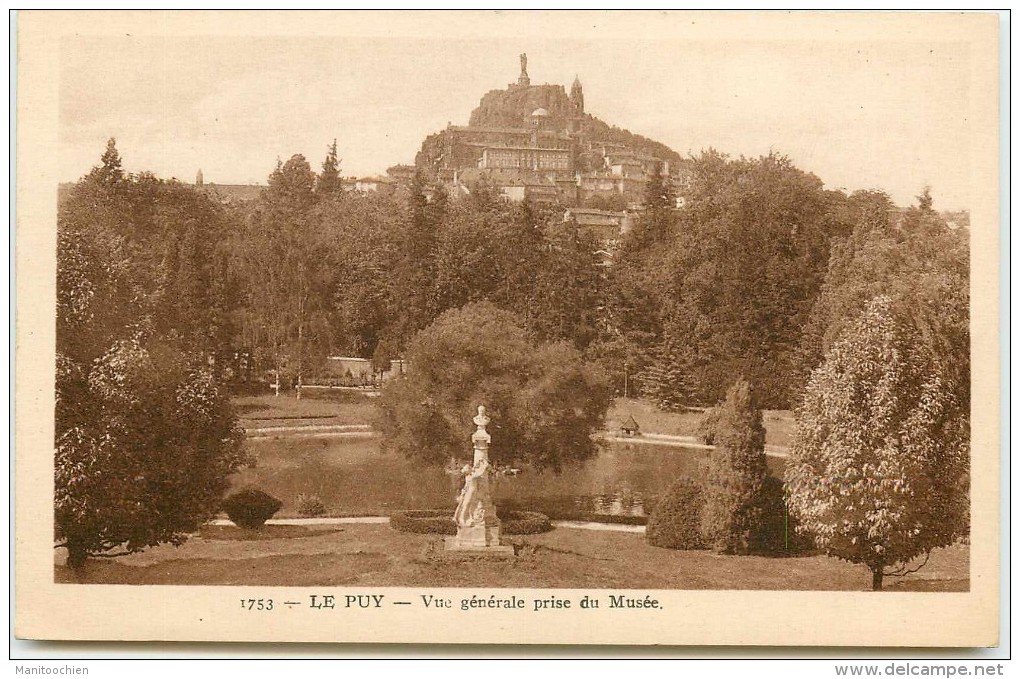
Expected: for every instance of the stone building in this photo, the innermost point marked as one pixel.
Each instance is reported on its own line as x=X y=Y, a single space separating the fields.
x=537 y=142
x=608 y=227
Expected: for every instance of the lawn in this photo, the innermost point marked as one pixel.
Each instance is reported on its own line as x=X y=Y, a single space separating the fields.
x=779 y=424
x=377 y=555
x=339 y=407
x=316 y=407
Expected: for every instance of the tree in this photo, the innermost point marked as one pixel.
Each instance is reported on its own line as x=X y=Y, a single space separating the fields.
x=284 y=258
x=736 y=474
x=109 y=172
x=292 y=185
x=878 y=472
x=144 y=437
x=735 y=284
x=328 y=181
x=415 y=273
x=545 y=403
x=666 y=380
x=143 y=450
x=653 y=228
x=919 y=263
x=364 y=237
x=925 y=203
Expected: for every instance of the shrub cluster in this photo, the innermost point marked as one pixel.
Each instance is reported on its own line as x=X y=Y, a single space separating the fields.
x=250 y=507
x=707 y=426
x=440 y=522
x=310 y=505
x=675 y=522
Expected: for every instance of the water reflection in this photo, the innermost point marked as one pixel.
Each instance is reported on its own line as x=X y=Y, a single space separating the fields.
x=354 y=476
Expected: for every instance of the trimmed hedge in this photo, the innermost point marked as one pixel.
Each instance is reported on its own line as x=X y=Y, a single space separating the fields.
x=434 y=521
x=588 y=517
x=250 y=507
x=517 y=522
x=566 y=511
x=440 y=522
x=676 y=521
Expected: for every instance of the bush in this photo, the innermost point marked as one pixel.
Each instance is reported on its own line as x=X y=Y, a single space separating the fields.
x=310 y=505
x=440 y=522
x=675 y=522
x=707 y=426
x=251 y=508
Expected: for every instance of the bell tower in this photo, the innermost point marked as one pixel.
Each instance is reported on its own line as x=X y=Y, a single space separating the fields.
x=577 y=95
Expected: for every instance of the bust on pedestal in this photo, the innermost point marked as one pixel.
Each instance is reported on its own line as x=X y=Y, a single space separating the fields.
x=477 y=524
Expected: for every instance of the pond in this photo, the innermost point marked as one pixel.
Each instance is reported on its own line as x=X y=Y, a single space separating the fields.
x=354 y=476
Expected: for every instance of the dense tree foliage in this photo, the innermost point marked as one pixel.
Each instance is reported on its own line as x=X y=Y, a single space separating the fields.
x=879 y=469
x=919 y=263
x=729 y=279
x=144 y=436
x=283 y=266
x=362 y=274
x=545 y=402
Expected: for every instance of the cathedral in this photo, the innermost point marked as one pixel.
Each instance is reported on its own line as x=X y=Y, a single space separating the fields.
x=537 y=143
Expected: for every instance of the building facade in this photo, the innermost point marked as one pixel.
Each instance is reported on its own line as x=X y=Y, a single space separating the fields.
x=537 y=142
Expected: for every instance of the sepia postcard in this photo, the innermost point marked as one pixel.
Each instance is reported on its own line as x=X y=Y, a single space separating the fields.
x=628 y=328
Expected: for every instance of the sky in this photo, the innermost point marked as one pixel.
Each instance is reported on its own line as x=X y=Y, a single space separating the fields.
x=859 y=113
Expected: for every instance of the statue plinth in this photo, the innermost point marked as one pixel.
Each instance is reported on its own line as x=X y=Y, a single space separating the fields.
x=478 y=527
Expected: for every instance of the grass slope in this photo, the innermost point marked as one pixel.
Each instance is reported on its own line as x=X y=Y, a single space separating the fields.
x=314 y=408
x=779 y=424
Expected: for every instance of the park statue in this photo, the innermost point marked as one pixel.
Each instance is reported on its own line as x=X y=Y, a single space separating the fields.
x=524 y=80
x=478 y=527
x=471 y=509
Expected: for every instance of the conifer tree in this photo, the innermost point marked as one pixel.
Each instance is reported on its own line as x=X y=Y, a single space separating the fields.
x=653 y=226
x=736 y=473
x=328 y=181
x=665 y=380
x=110 y=171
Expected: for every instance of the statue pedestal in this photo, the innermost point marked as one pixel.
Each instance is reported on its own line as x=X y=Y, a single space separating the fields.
x=477 y=536
x=455 y=544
